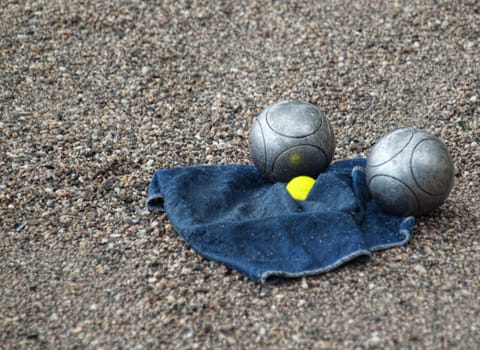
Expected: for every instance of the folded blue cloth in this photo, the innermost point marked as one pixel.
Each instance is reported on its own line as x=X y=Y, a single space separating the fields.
x=231 y=215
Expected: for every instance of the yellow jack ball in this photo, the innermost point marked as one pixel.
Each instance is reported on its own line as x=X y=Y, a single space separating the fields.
x=299 y=187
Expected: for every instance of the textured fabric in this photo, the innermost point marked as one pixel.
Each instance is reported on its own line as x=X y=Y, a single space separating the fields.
x=231 y=215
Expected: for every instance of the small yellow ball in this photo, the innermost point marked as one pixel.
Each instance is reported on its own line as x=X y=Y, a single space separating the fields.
x=299 y=187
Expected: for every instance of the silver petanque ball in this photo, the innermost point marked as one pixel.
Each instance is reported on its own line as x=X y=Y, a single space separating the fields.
x=289 y=139
x=409 y=172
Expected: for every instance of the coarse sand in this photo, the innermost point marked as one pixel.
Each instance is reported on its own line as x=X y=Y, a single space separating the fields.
x=96 y=95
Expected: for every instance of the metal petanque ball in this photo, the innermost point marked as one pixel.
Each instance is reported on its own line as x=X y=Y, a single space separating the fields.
x=409 y=172
x=289 y=139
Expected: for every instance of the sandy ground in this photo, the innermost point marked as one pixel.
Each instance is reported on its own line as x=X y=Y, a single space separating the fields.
x=96 y=95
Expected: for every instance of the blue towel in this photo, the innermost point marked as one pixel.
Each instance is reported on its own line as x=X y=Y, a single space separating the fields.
x=231 y=215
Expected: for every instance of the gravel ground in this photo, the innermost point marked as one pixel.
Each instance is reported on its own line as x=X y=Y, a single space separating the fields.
x=96 y=95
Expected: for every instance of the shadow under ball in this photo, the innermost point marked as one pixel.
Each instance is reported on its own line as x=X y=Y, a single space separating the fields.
x=289 y=139
x=409 y=172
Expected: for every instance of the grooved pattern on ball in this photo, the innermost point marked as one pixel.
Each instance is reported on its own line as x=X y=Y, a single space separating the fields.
x=383 y=151
x=256 y=143
x=307 y=119
x=299 y=160
x=331 y=149
x=432 y=168
x=394 y=196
